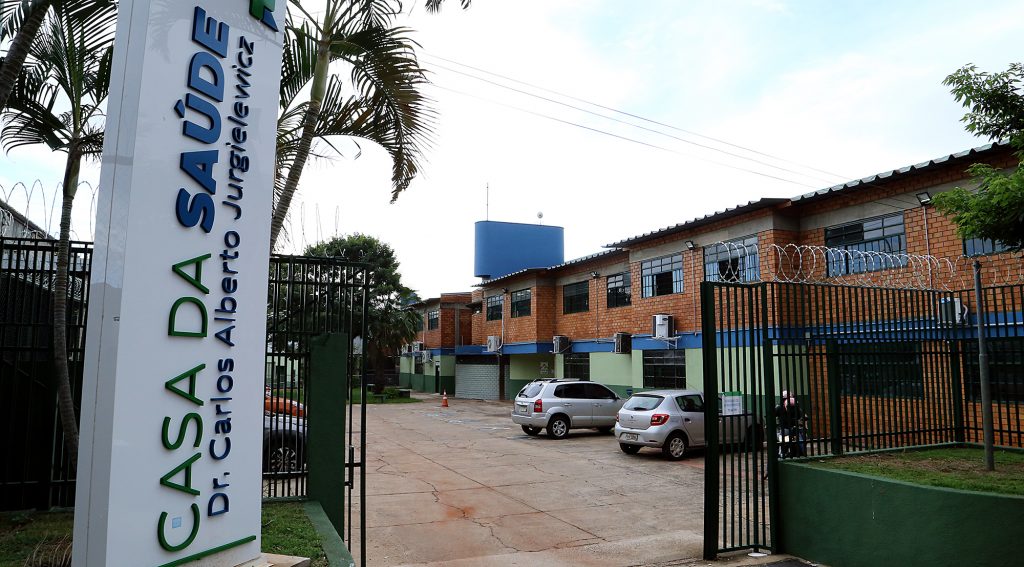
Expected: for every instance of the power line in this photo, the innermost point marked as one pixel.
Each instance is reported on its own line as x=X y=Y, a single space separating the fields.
x=684 y=140
x=632 y=115
x=620 y=137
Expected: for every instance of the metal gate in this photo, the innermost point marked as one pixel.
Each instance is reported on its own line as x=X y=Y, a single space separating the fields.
x=865 y=369
x=738 y=372
x=309 y=297
x=476 y=381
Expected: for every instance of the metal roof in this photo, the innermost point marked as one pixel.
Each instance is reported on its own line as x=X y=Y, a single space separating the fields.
x=701 y=221
x=524 y=271
x=885 y=175
x=587 y=258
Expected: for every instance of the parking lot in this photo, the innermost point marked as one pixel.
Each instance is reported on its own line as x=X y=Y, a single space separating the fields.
x=465 y=486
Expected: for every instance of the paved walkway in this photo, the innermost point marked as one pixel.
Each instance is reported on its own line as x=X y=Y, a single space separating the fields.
x=464 y=486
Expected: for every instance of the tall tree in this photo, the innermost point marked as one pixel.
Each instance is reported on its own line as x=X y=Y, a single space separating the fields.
x=995 y=103
x=389 y=324
x=57 y=102
x=383 y=105
x=21 y=22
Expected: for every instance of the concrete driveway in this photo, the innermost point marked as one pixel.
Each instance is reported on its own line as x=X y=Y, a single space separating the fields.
x=465 y=486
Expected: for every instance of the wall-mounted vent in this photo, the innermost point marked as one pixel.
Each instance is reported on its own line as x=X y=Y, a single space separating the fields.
x=952 y=311
x=623 y=343
x=662 y=326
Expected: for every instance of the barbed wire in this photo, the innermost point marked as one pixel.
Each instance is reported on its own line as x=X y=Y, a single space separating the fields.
x=810 y=264
x=41 y=207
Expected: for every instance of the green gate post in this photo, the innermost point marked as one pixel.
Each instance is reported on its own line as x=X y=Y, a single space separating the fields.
x=325 y=426
x=711 y=410
x=768 y=351
x=956 y=391
x=835 y=417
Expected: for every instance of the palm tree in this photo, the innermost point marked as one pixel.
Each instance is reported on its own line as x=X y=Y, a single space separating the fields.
x=386 y=106
x=57 y=102
x=22 y=20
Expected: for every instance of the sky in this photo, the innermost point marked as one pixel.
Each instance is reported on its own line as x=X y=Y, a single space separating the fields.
x=719 y=103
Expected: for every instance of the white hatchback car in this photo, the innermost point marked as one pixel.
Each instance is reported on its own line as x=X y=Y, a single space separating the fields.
x=674 y=421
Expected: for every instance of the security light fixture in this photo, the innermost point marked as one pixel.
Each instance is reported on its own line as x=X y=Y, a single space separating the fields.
x=690 y=245
x=924 y=197
x=504 y=290
x=595 y=274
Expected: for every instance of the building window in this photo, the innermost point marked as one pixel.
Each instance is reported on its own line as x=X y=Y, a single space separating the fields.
x=664 y=368
x=576 y=366
x=521 y=303
x=888 y=370
x=662 y=276
x=882 y=234
x=733 y=261
x=433 y=320
x=417 y=364
x=576 y=297
x=495 y=305
x=982 y=246
x=619 y=290
x=1005 y=368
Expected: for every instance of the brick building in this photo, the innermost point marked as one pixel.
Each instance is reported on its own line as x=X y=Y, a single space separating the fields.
x=594 y=317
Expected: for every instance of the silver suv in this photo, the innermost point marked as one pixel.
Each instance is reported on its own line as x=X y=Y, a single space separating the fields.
x=561 y=405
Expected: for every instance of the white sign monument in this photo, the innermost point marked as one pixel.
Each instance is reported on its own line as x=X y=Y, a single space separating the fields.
x=172 y=429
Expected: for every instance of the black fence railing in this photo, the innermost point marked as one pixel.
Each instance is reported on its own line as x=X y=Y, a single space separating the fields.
x=36 y=472
x=307 y=297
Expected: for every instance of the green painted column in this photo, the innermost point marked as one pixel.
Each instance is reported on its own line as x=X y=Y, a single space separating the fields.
x=325 y=442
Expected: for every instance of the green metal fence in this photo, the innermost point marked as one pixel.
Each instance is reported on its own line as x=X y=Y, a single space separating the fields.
x=865 y=368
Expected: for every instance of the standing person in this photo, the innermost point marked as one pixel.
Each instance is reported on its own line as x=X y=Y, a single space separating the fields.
x=789 y=417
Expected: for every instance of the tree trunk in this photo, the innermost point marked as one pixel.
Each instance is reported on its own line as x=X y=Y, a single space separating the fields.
x=16 y=55
x=65 y=399
x=309 y=122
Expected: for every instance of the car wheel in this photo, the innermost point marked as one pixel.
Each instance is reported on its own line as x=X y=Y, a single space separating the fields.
x=558 y=427
x=674 y=447
x=629 y=449
x=531 y=430
x=283 y=454
x=605 y=430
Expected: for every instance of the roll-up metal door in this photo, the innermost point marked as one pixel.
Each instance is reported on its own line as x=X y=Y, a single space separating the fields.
x=476 y=381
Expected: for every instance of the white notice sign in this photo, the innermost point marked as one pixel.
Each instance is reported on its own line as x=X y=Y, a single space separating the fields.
x=172 y=427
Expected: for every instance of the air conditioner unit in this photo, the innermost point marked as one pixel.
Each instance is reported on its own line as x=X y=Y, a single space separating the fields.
x=425 y=356
x=493 y=343
x=623 y=343
x=561 y=343
x=406 y=348
x=952 y=311
x=417 y=346
x=662 y=326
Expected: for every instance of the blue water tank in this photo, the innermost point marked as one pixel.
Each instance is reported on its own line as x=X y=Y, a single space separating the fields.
x=506 y=247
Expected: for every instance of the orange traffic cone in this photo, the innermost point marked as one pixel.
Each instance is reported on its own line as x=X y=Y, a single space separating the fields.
x=444 y=399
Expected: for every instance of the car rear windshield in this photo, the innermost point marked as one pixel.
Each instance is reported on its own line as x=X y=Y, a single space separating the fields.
x=642 y=402
x=530 y=391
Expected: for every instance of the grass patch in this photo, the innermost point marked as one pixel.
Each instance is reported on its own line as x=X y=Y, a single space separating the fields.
x=27 y=534
x=286 y=530
x=959 y=468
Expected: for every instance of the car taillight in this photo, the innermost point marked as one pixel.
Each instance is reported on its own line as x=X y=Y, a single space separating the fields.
x=538 y=406
x=659 y=418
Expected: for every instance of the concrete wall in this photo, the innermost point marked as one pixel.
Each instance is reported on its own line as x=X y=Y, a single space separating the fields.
x=852 y=520
x=524 y=368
